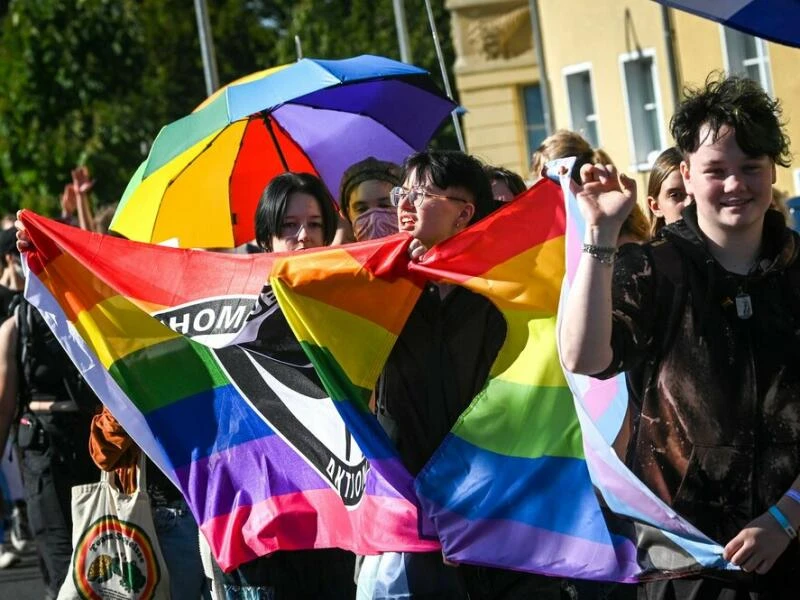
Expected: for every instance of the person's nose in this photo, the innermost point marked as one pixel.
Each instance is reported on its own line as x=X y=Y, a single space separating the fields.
x=302 y=233
x=734 y=183
x=406 y=205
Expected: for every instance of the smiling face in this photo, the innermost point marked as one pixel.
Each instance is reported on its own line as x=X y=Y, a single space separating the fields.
x=302 y=225
x=731 y=189
x=671 y=198
x=437 y=218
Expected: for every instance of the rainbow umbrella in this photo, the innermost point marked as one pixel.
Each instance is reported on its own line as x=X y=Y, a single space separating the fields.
x=205 y=173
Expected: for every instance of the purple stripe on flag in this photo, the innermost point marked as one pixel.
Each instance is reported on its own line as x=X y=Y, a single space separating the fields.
x=384 y=477
x=245 y=475
x=215 y=485
x=537 y=550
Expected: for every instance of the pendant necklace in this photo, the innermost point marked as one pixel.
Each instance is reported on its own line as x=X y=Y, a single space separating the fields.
x=744 y=306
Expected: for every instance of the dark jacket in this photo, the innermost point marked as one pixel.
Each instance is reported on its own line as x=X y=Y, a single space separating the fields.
x=716 y=398
x=439 y=363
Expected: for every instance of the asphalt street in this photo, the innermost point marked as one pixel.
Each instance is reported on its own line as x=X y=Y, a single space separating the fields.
x=23 y=580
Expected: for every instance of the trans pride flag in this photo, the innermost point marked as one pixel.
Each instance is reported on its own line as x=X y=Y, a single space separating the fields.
x=188 y=351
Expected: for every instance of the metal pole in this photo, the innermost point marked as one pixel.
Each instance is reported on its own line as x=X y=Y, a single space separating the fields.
x=544 y=81
x=669 y=41
x=298 y=47
x=401 y=25
x=440 y=57
x=206 y=47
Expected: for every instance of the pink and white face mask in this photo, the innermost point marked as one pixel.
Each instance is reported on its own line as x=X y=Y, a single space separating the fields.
x=375 y=223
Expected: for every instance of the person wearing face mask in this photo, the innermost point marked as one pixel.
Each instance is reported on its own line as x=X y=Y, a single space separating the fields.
x=364 y=198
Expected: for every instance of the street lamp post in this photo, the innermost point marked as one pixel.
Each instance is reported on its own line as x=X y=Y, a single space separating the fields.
x=206 y=47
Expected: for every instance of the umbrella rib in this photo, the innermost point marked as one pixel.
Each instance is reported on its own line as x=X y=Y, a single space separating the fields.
x=268 y=124
x=300 y=149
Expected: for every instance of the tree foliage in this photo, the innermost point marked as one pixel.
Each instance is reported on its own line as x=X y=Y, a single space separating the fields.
x=92 y=81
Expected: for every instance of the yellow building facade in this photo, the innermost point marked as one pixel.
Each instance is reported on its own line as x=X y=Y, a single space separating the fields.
x=607 y=70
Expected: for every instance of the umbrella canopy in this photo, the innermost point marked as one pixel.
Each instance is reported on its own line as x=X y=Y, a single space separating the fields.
x=200 y=184
x=774 y=20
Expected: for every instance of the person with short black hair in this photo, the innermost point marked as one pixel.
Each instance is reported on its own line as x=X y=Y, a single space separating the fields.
x=295 y=212
x=440 y=362
x=703 y=321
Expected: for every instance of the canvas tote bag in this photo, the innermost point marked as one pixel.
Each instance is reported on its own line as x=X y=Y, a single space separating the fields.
x=115 y=552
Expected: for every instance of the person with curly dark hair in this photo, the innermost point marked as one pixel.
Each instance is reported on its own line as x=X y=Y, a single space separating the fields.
x=703 y=321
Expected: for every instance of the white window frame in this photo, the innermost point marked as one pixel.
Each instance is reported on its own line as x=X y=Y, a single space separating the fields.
x=761 y=59
x=594 y=117
x=658 y=105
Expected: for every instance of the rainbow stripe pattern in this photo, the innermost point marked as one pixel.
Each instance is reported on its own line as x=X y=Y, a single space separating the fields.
x=525 y=480
x=249 y=488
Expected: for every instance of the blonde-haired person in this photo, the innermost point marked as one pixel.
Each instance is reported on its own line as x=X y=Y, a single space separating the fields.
x=561 y=144
x=666 y=194
x=564 y=143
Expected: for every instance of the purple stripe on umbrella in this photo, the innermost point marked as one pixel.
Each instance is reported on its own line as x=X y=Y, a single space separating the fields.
x=536 y=550
x=254 y=471
x=387 y=102
x=347 y=138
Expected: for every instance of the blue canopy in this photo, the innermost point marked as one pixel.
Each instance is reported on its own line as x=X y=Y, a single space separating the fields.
x=774 y=20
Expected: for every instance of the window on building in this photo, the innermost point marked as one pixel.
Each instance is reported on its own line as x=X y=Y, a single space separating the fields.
x=583 y=118
x=535 y=127
x=643 y=104
x=747 y=56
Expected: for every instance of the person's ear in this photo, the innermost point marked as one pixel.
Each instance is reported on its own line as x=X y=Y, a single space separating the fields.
x=466 y=214
x=653 y=204
x=686 y=176
x=774 y=174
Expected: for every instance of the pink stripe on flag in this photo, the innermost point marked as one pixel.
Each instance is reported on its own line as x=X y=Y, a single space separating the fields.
x=253 y=531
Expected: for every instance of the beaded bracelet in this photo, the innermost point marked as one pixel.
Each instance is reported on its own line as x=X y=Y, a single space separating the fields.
x=604 y=254
x=793 y=494
x=783 y=521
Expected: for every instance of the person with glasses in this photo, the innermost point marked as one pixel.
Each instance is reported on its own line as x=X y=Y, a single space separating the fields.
x=439 y=363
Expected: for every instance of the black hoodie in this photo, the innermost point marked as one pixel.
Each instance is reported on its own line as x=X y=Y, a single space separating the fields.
x=715 y=397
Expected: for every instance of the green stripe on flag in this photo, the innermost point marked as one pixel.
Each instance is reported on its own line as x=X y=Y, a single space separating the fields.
x=334 y=379
x=522 y=420
x=164 y=373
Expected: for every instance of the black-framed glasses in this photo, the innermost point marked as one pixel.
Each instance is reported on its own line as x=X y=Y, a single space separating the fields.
x=416 y=196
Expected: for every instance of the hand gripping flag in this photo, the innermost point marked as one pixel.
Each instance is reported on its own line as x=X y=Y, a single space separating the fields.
x=188 y=351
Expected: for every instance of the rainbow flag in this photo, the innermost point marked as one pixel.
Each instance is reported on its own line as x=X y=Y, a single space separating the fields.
x=191 y=354
x=525 y=480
